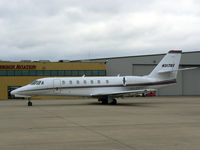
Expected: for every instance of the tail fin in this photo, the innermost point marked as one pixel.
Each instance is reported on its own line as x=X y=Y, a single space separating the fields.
x=168 y=67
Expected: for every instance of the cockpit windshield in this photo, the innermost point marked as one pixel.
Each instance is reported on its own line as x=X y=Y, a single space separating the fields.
x=37 y=82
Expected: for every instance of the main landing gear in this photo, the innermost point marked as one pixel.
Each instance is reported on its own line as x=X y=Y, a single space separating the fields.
x=107 y=100
x=29 y=102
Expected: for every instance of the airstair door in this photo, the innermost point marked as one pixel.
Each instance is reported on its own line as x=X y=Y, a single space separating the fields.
x=56 y=86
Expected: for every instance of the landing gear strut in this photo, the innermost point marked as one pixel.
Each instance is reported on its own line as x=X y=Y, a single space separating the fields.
x=29 y=102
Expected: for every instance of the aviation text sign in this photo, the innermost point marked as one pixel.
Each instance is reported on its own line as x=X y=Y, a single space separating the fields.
x=26 y=67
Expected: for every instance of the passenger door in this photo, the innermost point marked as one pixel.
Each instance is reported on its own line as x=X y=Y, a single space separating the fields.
x=56 y=86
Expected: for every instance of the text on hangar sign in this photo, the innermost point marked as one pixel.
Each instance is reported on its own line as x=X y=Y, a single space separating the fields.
x=17 y=66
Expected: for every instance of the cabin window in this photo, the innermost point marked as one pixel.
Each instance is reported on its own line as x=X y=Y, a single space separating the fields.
x=107 y=81
x=70 y=82
x=63 y=82
x=91 y=81
x=33 y=83
x=98 y=81
x=38 y=83
x=84 y=81
x=77 y=82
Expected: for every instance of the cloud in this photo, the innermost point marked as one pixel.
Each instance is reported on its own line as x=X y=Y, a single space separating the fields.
x=75 y=29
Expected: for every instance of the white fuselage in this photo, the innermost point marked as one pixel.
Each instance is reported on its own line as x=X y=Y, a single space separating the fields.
x=88 y=86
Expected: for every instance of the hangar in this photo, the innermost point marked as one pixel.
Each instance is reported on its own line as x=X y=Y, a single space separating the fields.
x=17 y=74
x=188 y=82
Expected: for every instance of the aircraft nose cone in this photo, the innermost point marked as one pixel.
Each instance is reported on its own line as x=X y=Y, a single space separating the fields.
x=13 y=92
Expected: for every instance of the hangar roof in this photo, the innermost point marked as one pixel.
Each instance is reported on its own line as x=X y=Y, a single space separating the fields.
x=188 y=58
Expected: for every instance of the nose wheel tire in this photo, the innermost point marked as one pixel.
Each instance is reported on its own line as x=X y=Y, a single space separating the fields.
x=29 y=103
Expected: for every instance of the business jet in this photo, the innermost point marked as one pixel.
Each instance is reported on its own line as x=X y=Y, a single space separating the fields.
x=105 y=89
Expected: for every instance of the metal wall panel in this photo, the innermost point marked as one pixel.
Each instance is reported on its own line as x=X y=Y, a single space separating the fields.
x=119 y=66
x=140 y=70
x=191 y=82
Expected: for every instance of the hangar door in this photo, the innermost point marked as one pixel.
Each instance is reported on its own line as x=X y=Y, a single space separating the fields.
x=176 y=89
x=191 y=82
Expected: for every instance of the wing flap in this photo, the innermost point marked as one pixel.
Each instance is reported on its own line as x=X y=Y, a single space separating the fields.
x=17 y=95
x=123 y=92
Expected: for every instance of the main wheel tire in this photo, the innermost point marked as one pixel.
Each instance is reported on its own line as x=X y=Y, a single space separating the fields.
x=104 y=101
x=30 y=103
x=114 y=102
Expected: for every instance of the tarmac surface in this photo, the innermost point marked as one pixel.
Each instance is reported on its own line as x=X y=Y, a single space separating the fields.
x=151 y=123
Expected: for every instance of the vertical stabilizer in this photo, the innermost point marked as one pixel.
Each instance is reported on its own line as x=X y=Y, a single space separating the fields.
x=168 y=67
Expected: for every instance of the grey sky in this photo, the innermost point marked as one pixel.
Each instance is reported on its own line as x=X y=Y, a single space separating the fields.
x=77 y=29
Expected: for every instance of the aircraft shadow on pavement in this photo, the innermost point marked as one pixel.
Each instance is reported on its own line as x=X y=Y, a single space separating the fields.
x=133 y=104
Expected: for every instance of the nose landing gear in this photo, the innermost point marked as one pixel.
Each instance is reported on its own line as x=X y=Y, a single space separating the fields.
x=29 y=102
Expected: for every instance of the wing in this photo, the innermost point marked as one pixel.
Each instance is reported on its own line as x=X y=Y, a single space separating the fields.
x=17 y=95
x=120 y=93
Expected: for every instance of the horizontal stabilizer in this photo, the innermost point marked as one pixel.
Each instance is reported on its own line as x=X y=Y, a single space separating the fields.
x=191 y=68
x=183 y=69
